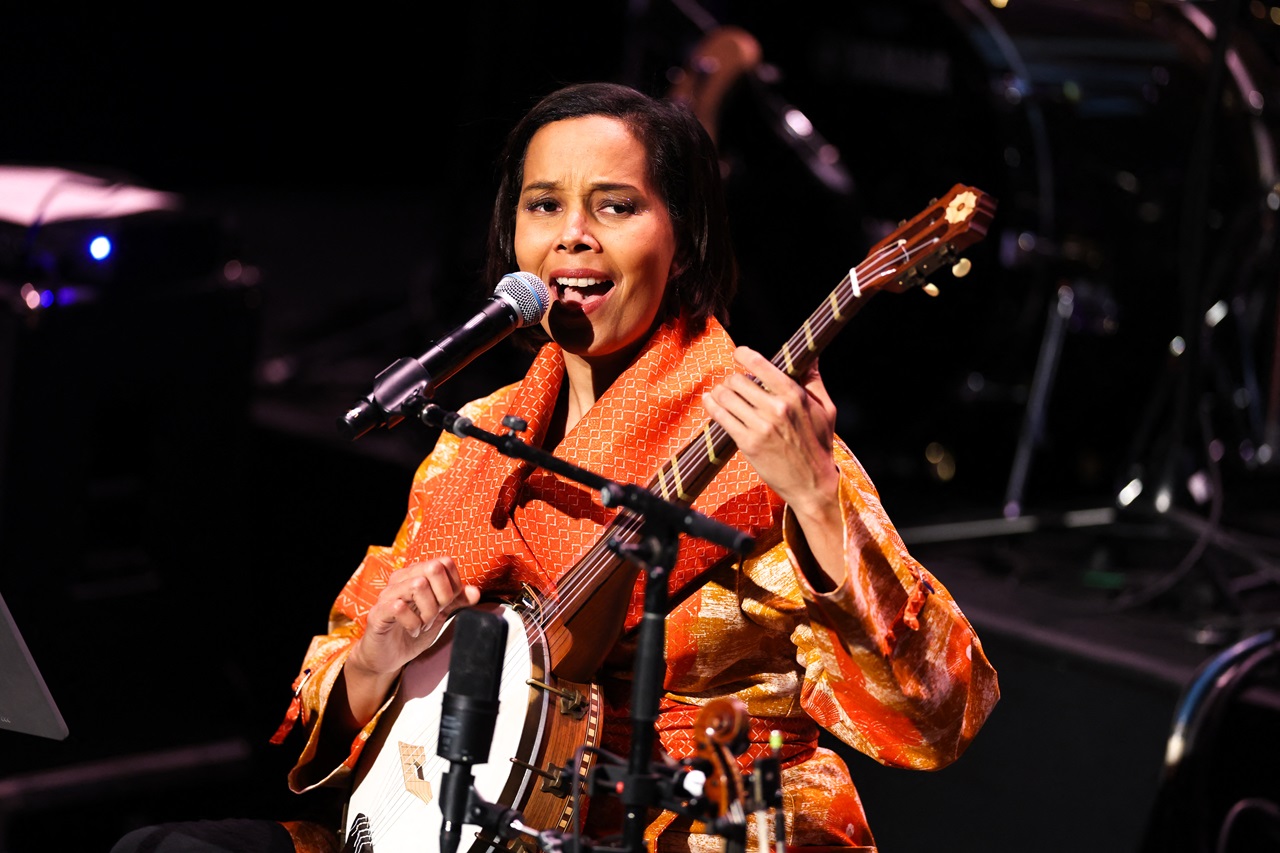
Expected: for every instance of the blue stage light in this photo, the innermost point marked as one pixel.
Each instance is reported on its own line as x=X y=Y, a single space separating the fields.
x=100 y=248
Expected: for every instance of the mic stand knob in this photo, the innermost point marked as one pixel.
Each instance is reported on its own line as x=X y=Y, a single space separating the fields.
x=497 y=823
x=514 y=424
x=498 y=820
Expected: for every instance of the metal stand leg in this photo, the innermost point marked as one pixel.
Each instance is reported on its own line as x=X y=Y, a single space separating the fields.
x=1041 y=386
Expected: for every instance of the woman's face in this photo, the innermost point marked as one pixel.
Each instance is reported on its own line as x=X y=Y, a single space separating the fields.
x=591 y=226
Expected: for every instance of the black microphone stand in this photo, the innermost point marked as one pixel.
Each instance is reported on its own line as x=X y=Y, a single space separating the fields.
x=642 y=785
x=656 y=554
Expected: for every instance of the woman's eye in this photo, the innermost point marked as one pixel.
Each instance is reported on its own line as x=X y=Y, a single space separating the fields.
x=619 y=206
x=541 y=205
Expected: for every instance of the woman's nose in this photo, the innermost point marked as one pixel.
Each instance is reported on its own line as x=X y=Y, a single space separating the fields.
x=577 y=235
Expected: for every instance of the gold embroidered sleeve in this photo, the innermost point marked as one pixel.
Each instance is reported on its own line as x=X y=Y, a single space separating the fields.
x=892 y=666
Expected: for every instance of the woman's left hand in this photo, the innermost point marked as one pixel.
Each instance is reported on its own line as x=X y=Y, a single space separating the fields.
x=783 y=427
x=786 y=429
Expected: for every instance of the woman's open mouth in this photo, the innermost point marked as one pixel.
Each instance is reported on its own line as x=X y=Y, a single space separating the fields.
x=581 y=292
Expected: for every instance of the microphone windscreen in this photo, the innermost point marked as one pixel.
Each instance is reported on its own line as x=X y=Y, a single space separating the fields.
x=528 y=294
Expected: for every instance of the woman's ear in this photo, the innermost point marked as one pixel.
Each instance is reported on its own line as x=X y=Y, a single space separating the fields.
x=671 y=301
x=679 y=266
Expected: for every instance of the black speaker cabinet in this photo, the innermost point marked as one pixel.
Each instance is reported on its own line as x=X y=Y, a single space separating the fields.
x=123 y=422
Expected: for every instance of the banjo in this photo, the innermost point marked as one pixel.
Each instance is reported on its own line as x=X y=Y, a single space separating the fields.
x=549 y=712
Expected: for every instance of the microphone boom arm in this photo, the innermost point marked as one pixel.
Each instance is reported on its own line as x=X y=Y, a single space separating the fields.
x=634 y=498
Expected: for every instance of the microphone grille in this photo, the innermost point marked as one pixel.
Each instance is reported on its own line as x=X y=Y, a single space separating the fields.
x=528 y=293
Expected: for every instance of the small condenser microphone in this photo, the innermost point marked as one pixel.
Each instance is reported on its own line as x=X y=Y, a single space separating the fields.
x=469 y=711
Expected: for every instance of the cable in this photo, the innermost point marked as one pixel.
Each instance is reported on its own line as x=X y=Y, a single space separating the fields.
x=1248 y=804
x=1205 y=537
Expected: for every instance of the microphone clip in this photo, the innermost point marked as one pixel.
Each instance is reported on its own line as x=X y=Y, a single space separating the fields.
x=399 y=390
x=402 y=388
x=495 y=821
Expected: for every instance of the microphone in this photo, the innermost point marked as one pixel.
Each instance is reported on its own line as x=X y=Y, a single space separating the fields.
x=520 y=299
x=468 y=711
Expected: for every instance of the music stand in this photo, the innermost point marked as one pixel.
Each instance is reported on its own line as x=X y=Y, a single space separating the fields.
x=25 y=702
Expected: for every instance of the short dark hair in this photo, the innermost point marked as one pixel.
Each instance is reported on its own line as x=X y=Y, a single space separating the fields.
x=684 y=167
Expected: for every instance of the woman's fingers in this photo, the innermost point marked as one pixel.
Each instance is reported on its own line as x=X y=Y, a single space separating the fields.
x=409 y=614
x=784 y=428
x=412 y=609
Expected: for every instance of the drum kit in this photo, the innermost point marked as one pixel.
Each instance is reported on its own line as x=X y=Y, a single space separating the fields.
x=1130 y=274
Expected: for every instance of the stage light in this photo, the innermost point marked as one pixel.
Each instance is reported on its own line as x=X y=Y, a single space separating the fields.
x=1216 y=314
x=942 y=463
x=1200 y=487
x=1164 y=499
x=799 y=123
x=1130 y=492
x=100 y=247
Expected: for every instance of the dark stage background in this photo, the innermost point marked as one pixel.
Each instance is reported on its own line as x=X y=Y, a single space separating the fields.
x=178 y=508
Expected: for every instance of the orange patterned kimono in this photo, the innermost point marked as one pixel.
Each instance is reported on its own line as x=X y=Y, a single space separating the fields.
x=887 y=662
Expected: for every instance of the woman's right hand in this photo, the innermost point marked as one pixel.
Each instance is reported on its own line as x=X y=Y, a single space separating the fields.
x=409 y=614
